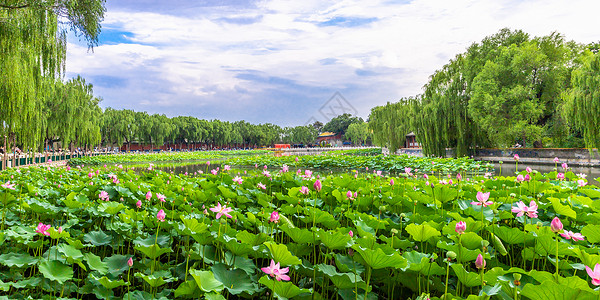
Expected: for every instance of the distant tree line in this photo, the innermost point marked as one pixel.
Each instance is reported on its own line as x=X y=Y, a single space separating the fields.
x=506 y=90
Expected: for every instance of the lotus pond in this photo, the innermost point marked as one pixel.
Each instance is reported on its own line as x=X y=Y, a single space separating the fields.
x=111 y=232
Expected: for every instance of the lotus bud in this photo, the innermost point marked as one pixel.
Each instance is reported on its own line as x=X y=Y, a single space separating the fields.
x=480 y=262
x=556 y=225
x=394 y=231
x=451 y=254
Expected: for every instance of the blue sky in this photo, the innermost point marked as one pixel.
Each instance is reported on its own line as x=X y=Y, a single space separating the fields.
x=281 y=61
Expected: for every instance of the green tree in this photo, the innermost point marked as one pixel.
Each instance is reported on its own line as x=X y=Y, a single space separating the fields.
x=340 y=124
x=358 y=133
x=32 y=48
x=582 y=101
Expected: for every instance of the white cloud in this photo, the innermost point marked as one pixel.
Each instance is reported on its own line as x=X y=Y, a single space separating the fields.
x=181 y=61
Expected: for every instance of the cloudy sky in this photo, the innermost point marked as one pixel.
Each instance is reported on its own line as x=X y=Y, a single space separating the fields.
x=283 y=61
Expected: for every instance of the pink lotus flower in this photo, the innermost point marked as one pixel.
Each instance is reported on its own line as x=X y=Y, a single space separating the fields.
x=265 y=167
x=68 y=168
x=90 y=175
x=214 y=172
x=425 y=176
x=274 y=270
x=379 y=173
x=528 y=169
x=103 y=196
x=458 y=176
x=482 y=199
x=304 y=190
x=161 y=215
x=556 y=160
x=148 y=195
x=595 y=275
x=460 y=227
x=516 y=157
x=238 y=179
x=350 y=233
x=221 y=210
x=285 y=168
x=522 y=209
x=556 y=225
x=262 y=186
x=527 y=177
x=392 y=181
x=298 y=172
x=161 y=197
x=43 y=229
x=296 y=159
x=480 y=262
x=255 y=166
x=571 y=235
x=318 y=185
x=139 y=204
x=274 y=217
x=581 y=183
x=267 y=174
x=407 y=170
x=560 y=176
x=520 y=178
x=565 y=166
x=226 y=168
x=8 y=185
x=308 y=173
x=60 y=229
x=130 y=262
x=208 y=163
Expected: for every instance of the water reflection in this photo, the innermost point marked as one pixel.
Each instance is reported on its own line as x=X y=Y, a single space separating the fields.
x=509 y=169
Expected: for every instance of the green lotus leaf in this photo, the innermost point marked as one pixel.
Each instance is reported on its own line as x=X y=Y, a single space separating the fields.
x=110 y=284
x=56 y=271
x=236 y=281
x=546 y=245
x=162 y=241
x=298 y=235
x=342 y=280
x=153 y=251
x=510 y=235
x=591 y=233
x=227 y=193
x=97 y=238
x=281 y=254
x=116 y=264
x=250 y=238
x=562 y=209
x=377 y=259
x=194 y=225
x=469 y=279
x=334 y=240
x=422 y=232
x=236 y=248
x=553 y=291
x=212 y=296
x=206 y=281
x=283 y=289
x=17 y=259
x=110 y=208
x=27 y=283
x=420 y=262
x=320 y=217
x=95 y=263
x=187 y=288
x=396 y=243
x=153 y=280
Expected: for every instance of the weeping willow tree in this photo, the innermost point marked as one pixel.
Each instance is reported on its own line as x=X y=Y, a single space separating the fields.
x=32 y=55
x=582 y=101
x=392 y=122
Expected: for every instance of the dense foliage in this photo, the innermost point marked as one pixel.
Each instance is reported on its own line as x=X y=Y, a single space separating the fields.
x=503 y=91
x=159 y=157
x=386 y=163
x=112 y=233
x=33 y=97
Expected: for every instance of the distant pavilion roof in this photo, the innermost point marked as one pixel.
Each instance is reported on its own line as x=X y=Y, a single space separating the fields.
x=327 y=133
